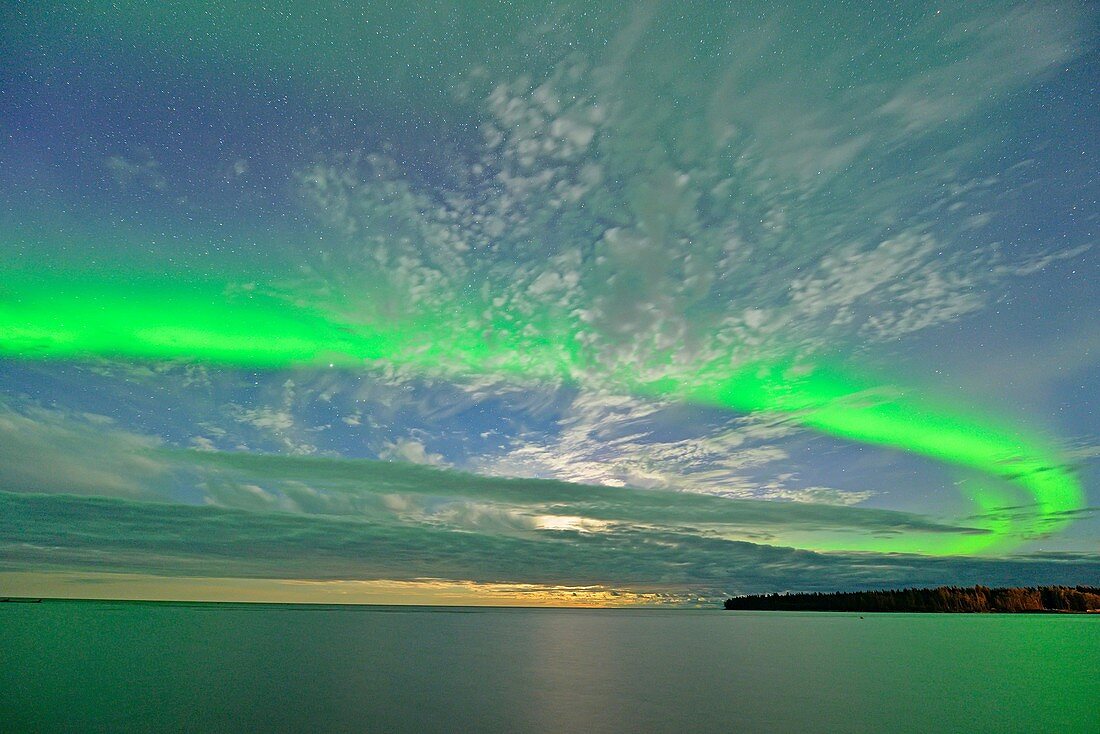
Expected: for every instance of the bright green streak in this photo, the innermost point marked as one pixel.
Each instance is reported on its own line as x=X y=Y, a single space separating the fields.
x=843 y=406
x=52 y=318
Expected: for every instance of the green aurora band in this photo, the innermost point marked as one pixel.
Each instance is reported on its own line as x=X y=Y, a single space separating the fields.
x=52 y=317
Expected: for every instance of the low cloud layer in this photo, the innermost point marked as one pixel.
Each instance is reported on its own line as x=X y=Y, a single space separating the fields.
x=66 y=533
x=220 y=514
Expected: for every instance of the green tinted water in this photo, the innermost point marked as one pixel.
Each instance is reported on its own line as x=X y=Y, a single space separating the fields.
x=104 y=666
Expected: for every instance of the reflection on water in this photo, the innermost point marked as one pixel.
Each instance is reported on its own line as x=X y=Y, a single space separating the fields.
x=102 y=666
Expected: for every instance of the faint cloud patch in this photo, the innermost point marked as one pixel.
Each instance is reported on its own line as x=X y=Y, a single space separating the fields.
x=412 y=451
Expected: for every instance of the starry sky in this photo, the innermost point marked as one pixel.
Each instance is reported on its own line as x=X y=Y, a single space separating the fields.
x=547 y=302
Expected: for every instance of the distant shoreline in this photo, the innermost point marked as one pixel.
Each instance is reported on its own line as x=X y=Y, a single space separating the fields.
x=1059 y=600
x=939 y=600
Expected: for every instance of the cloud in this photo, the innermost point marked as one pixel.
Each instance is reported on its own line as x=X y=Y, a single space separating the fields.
x=351 y=487
x=277 y=424
x=1003 y=50
x=594 y=218
x=412 y=451
x=620 y=440
x=143 y=172
x=44 y=450
x=85 y=455
x=67 y=533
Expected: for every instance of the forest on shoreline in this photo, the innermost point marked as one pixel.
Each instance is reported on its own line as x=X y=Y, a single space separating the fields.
x=976 y=599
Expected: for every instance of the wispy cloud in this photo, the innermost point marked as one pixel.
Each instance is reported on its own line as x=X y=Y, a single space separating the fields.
x=44 y=450
x=578 y=222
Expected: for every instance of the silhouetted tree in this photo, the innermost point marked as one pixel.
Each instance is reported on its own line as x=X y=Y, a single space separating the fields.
x=941 y=599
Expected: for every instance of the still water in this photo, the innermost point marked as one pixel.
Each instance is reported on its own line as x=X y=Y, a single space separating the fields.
x=86 y=666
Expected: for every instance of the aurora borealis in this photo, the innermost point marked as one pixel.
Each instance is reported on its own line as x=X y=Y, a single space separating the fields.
x=631 y=306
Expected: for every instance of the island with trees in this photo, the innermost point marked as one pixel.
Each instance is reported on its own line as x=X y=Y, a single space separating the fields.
x=952 y=599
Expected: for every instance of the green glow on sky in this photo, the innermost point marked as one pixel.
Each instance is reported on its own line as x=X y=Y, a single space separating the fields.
x=50 y=317
x=847 y=407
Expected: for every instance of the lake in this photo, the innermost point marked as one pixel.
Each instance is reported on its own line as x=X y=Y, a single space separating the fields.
x=88 y=666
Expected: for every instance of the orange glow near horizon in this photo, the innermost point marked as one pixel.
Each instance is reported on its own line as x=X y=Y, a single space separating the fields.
x=416 y=592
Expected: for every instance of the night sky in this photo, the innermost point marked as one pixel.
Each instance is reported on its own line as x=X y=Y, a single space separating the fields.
x=547 y=302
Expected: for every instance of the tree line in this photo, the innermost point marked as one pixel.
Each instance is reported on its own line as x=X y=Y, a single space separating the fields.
x=941 y=599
